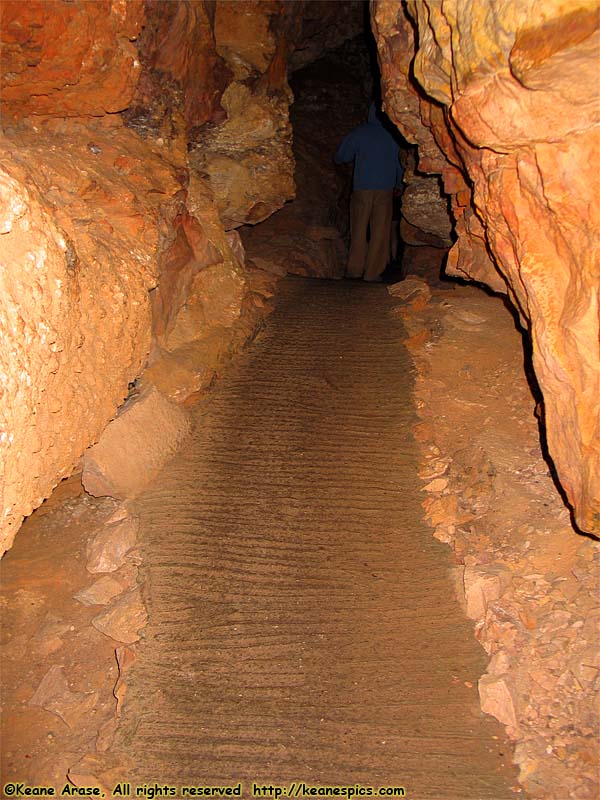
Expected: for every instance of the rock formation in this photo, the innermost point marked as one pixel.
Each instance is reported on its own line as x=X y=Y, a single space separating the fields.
x=69 y=59
x=502 y=102
x=135 y=135
x=139 y=137
x=425 y=218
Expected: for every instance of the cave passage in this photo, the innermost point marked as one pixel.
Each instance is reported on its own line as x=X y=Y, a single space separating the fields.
x=302 y=621
x=250 y=464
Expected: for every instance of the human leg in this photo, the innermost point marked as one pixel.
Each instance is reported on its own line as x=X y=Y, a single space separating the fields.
x=360 y=210
x=381 y=222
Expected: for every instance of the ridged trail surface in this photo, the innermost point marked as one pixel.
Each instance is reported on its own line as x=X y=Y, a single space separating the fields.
x=303 y=624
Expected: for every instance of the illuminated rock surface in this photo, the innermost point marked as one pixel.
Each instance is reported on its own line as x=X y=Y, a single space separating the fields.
x=512 y=108
x=108 y=225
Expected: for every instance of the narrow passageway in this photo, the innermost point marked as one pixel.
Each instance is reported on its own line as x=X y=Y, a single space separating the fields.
x=263 y=523
x=302 y=621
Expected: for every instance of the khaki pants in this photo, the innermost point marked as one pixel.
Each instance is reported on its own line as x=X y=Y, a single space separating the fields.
x=370 y=208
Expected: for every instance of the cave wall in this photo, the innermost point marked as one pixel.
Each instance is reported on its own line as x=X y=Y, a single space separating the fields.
x=502 y=101
x=136 y=136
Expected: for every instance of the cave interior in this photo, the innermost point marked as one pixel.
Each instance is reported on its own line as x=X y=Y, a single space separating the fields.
x=173 y=223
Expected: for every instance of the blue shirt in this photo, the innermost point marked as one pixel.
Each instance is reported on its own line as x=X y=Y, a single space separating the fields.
x=375 y=155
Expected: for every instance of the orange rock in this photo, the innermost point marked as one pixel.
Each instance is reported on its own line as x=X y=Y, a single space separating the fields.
x=214 y=300
x=442 y=510
x=424 y=431
x=100 y=215
x=248 y=158
x=129 y=453
x=54 y=695
x=511 y=100
x=482 y=586
x=79 y=244
x=436 y=485
x=123 y=620
x=245 y=34
x=99 y=593
x=177 y=46
x=189 y=252
x=106 y=553
x=496 y=697
x=69 y=59
x=190 y=369
x=529 y=620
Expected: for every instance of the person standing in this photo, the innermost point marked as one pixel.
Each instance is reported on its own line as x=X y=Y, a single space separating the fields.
x=377 y=174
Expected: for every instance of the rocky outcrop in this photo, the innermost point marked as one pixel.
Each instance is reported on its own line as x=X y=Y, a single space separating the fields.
x=129 y=453
x=115 y=224
x=69 y=59
x=425 y=214
x=177 y=44
x=120 y=174
x=528 y=584
x=248 y=159
x=504 y=106
x=82 y=211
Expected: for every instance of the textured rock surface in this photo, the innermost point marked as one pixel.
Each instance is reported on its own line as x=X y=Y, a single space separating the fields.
x=69 y=59
x=51 y=654
x=54 y=695
x=81 y=216
x=249 y=157
x=176 y=46
x=425 y=213
x=99 y=593
x=530 y=583
x=107 y=550
x=124 y=618
x=107 y=225
x=507 y=102
x=134 y=446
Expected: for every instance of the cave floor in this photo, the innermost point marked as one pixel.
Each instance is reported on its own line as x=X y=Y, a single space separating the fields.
x=303 y=624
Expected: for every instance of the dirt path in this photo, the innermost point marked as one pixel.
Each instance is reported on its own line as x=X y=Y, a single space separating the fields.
x=303 y=624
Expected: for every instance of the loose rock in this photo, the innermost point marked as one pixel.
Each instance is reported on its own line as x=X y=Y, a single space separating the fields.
x=53 y=694
x=129 y=454
x=123 y=620
x=100 y=593
x=107 y=550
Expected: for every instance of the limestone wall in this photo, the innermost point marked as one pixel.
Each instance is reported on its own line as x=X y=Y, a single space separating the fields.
x=113 y=250
x=502 y=100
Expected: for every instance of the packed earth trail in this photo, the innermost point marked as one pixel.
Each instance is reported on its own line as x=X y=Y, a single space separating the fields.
x=303 y=624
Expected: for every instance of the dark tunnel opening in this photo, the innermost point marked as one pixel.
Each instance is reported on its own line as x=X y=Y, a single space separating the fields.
x=332 y=96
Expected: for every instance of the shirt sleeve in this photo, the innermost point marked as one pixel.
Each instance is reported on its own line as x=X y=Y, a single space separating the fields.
x=347 y=149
